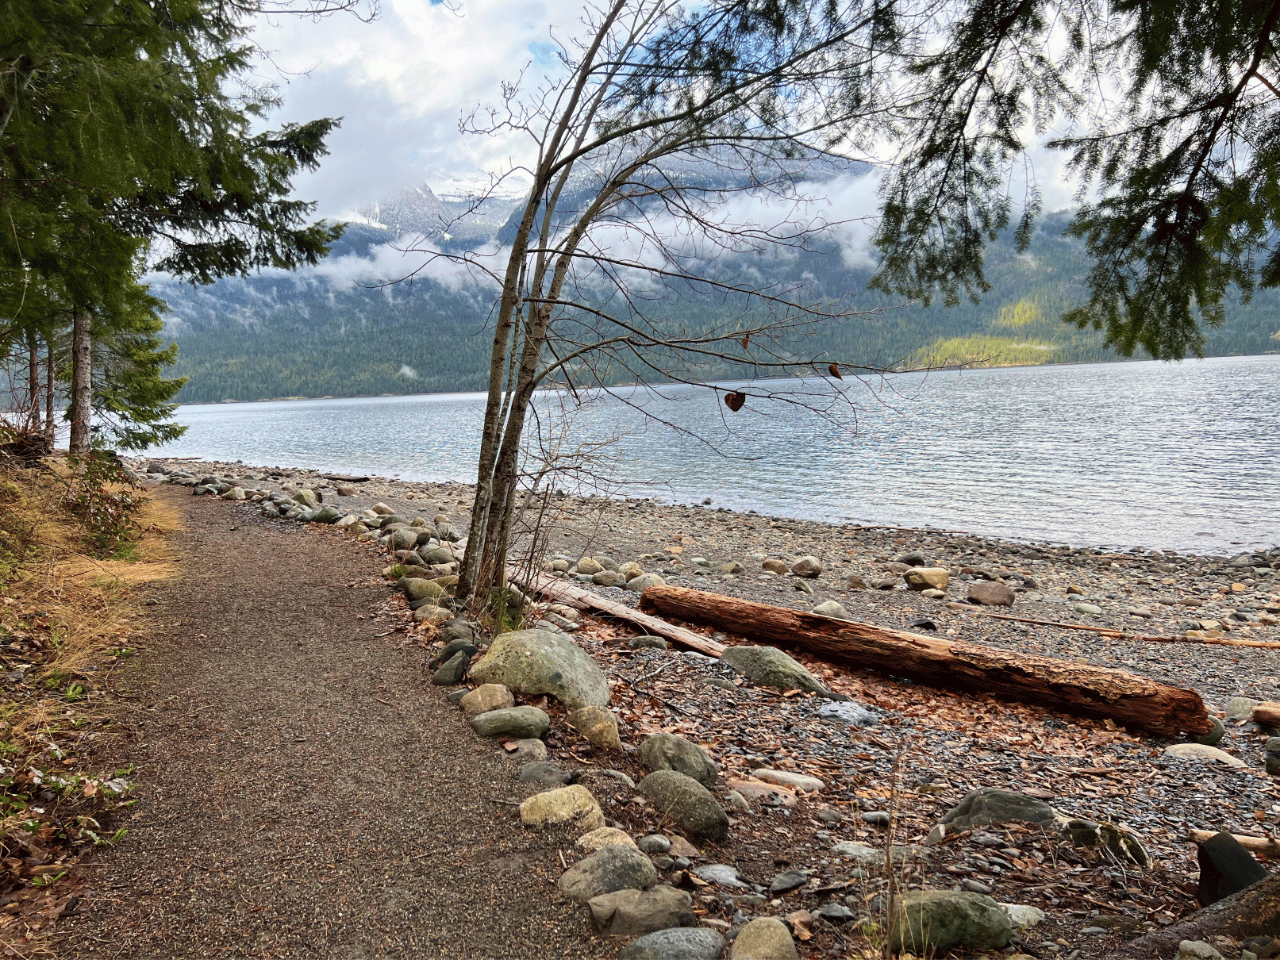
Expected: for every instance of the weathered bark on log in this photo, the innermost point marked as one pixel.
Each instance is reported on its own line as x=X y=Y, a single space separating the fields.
x=1137 y=702
x=1266 y=714
x=1254 y=911
x=559 y=591
x=1118 y=634
x=1263 y=845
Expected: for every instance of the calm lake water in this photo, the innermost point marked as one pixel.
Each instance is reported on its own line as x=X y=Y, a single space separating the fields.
x=1181 y=456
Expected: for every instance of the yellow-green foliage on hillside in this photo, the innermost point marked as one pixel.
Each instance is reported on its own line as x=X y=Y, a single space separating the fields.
x=1020 y=314
x=982 y=351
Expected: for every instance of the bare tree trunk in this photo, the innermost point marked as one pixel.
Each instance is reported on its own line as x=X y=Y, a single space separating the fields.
x=50 y=394
x=81 y=380
x=33 y=383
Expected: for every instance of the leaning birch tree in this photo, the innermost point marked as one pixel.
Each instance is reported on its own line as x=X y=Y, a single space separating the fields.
x=670 y=145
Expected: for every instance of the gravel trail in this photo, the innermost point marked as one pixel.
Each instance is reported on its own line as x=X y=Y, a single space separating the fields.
x=303 y=791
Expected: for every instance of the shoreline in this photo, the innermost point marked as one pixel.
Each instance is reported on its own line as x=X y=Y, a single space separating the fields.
x=392 y=484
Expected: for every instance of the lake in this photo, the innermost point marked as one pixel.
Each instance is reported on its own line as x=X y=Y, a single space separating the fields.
x=1182 y=456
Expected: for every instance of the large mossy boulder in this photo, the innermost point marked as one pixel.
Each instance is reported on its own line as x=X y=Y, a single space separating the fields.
x=537 y=662
x=770 y=667
x=689 y=805
x=928 y=922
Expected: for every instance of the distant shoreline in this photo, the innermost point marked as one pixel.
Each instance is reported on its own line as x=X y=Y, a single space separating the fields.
x=887 y=373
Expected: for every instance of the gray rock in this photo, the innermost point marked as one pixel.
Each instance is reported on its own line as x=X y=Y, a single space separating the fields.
x=837 y=913
x=610 y=868
x=770 y=667
x=643 y=582
x=1197 y=950
x=679 y=943
x=913 y=558
x=403 y=538
x=1216 y=732
x=1239 y=708
x=630 y=913
x=849 y=712
x=607 y=578
x=829 y=608
x=647 y=642
x=765 y=938
x=934 y=921
x=543 y=772
x=1199 y=751
x=308 y=498
x=990 y=805
x=1271 y=756
x=809 y=567
x=721 y=874
x=989 y=593
x=418 y=588
x=533 y=662
x=323 y=515
x=654 y=843
x=669 y=751
x=459 y=646
x=787 y=881
x=515 y=723
x=1088 y=609
x=688 y=804
x=927 y=578
x=529 y=749
x=451 y=672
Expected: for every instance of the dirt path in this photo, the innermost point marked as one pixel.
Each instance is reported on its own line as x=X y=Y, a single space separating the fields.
x=304 y=790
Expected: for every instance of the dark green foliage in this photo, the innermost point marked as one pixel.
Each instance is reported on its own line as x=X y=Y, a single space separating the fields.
x=125 y=137
x=1179 y=137
x=102 y=496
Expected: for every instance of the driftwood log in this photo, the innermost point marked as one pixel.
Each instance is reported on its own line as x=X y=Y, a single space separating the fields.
x=1264 y=845
x=1254 y=911
x=1266 y=714
x=560 y=591
x=1136 y=702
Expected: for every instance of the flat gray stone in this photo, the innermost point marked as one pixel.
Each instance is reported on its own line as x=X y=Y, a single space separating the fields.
x=515 y=723
x=770 y=667
x=680 y=943
x=929 y=922
x=632 y=913
x=609 y=869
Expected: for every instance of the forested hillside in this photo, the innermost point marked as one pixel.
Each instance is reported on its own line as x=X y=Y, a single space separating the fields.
x=335 y=331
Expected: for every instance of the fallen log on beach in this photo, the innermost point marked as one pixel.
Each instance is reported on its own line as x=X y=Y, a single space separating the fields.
x=561 y=591
x=1136 y=702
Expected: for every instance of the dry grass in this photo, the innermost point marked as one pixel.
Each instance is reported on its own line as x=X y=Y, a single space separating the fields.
x=67 y=619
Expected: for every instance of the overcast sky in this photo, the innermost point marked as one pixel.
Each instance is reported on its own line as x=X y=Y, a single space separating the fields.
x=402 y=82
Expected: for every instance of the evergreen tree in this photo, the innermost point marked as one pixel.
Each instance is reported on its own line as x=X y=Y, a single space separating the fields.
x=127 y=123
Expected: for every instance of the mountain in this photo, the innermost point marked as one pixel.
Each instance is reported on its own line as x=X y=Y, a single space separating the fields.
x=343 y=329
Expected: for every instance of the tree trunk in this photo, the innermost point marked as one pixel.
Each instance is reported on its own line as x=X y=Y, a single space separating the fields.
x=50 y=396
x=33 y=383
x=1137 y=702
x=81 y=381
x=1254 y=911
